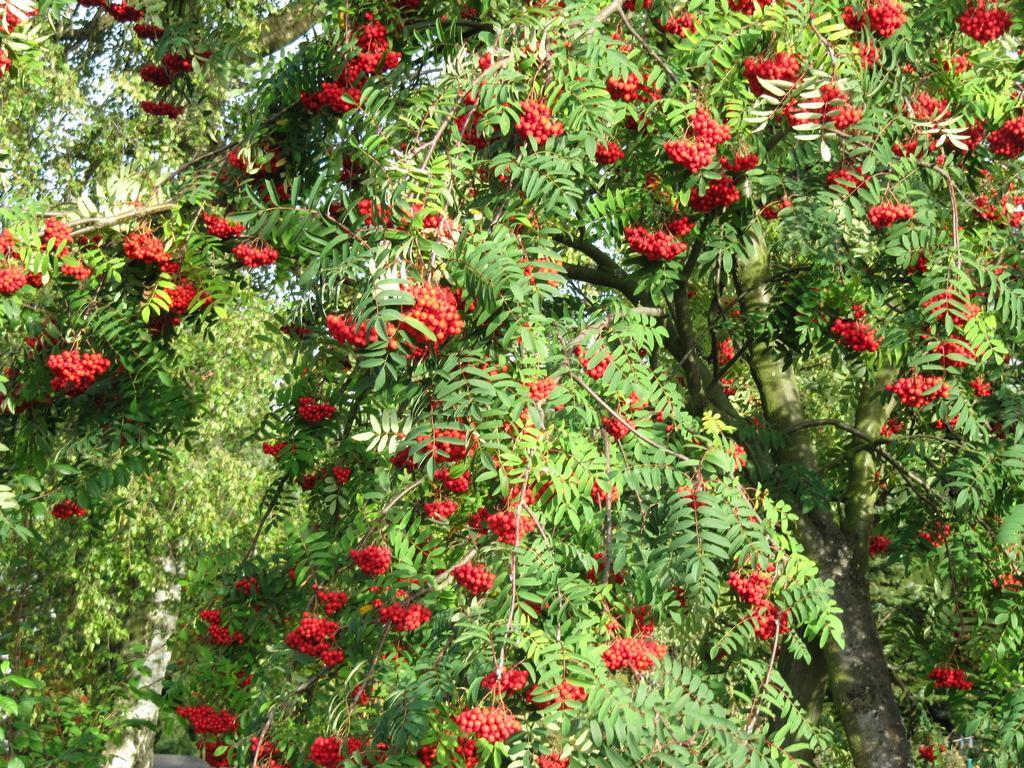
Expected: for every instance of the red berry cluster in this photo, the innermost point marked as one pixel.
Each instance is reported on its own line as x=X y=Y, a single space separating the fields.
x=148 y=31
x=1008 y=139
x=536 y=123
x=1008 y=582
x=341 y=474
x=600 y=497
x=681 y=25
x=436 y=307
x=427 y=754
x=835 y=108
x=885 y=215
x=74 y=372
x=12 y=279
x=1004 y=211
x=878 y=545
x=206 y=719
x=945 y=677
x=950 y=305
x=595 y=574
x=892 y=427
x=252 y=256
x=541 y=389
x=982 y=23
x=76 y=271
x=373 y=560
x=954 y=353
x=636 y=653
x=781 y=66
x=850 y=180
x=561 y=693
x=441 y=450
x=753 y=589
x=741 y=163
x=474 y=578
x=335 y=97
x=509 y=527
x=223 y=228
x=747 y=6
x=325 y=751
x=345 y=92
x=458 y=484
x=883 y=17
x=265 y=753
x=145 y=247
x=67 y=508
x=467 y=123
x=655 y=246
x=466 y=749
x=332 y=601
x=981 y=387
x=700 y=149
x=492 y=724
x=440 y=509
x=208 y=750
x=247 y=585
x=312 y=411
x=404 y=617
x=726 y=352
x=510 y=681
x=274 y=449
x=162 y=109
x=13 y=14
x=692 y=155
x=608 y=153
x=56 y=235
x=919 y=390
x=599 y=368
x=314 y=636
x=938 y=534
x=856 y=334
x=345 y=331
x=161 y=75
x=617 y=427
x=552 y=760
x=123 y=12
x=632 y=89
x=721 y=193
x=217 y=633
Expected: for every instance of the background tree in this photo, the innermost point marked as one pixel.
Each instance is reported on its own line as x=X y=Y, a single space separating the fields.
x=654 y=383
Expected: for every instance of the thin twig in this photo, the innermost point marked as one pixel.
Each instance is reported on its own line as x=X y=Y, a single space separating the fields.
x=649 y=48
x=752 y=719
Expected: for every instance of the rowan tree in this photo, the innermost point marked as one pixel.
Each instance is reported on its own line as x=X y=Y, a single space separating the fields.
x=654 y=387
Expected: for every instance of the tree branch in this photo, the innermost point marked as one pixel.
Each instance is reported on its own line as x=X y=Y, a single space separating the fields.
x=286 y=26
x=600 y=277
x=102 y=222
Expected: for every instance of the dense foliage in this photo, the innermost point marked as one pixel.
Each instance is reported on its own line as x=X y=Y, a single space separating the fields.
x=547 y=384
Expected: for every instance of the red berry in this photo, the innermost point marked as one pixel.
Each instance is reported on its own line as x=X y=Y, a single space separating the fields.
x=373 y=560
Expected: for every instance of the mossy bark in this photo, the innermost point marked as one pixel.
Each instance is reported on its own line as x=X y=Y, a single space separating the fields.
x=858 y=675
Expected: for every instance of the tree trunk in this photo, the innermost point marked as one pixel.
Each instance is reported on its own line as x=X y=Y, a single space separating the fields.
x=136 y=750
x=858 y=675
